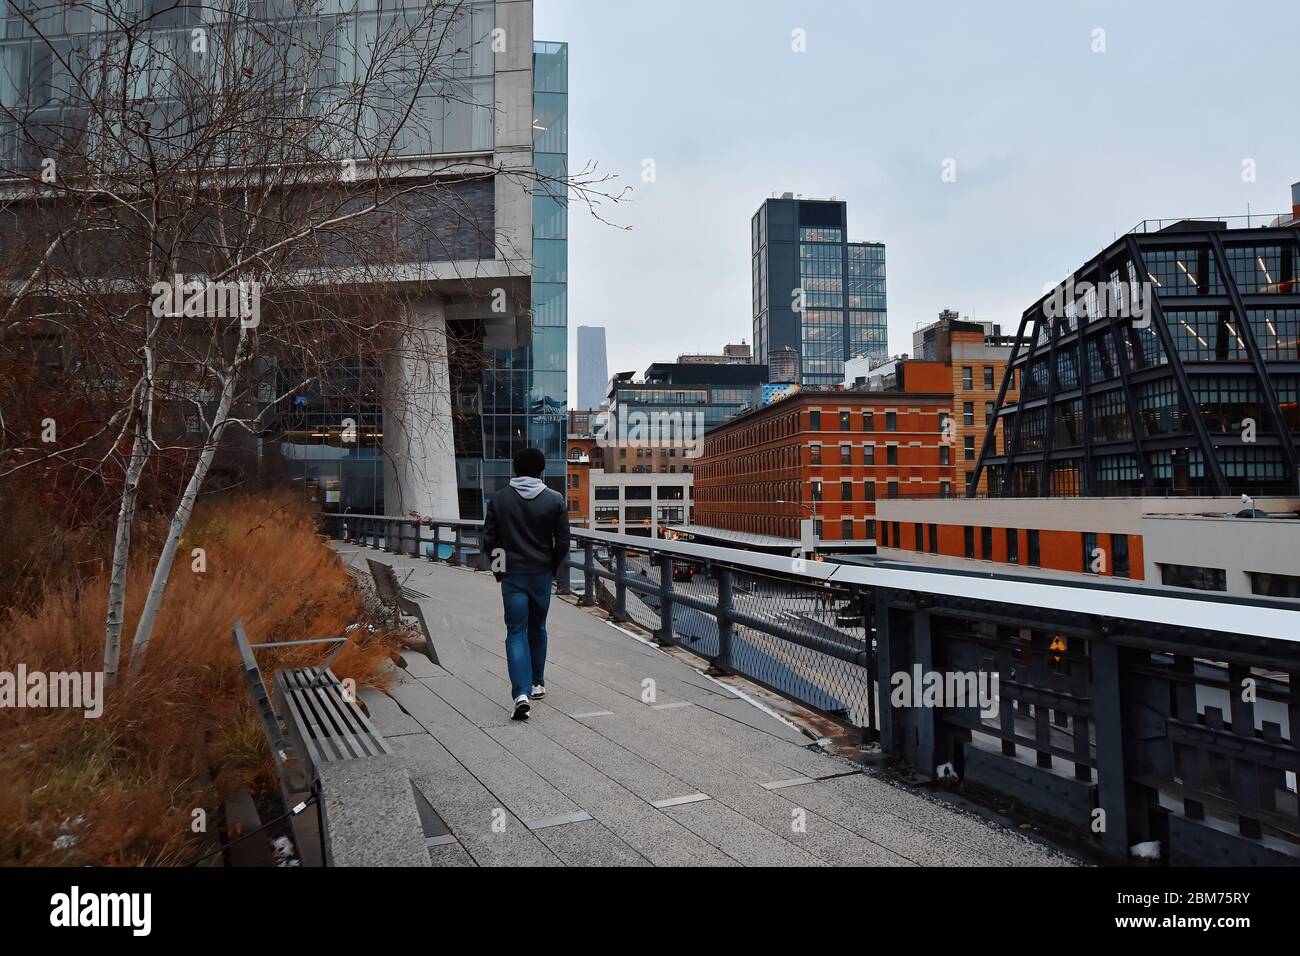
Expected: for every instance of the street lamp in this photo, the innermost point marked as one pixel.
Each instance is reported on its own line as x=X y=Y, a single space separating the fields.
x=813 y=509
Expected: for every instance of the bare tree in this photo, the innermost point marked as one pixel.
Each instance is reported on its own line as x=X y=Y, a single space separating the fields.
x=210 y=210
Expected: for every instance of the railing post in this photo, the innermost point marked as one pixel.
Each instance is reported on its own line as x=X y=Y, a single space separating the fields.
x=392 y=536
x=665 y=635
x=884 y=671
x=588 y=575
x=1112 y=793
x=457 y=544
x=620 y=583
x=923 y=758
x=562 y=577
x=722 y=664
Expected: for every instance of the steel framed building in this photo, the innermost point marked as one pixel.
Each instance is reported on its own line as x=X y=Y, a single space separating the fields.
x=1169 y=363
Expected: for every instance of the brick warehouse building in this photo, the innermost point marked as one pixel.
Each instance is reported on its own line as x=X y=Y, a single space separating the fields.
x=966 y=359
x=836 y=451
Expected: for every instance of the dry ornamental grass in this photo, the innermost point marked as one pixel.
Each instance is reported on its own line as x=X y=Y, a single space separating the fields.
x=121 y=789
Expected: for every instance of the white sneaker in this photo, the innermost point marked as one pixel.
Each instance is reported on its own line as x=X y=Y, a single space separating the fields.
x=539 y=691
x=522 y=707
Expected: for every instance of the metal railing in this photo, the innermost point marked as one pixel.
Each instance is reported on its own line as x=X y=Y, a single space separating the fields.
x=1121 y=713
x=1257 y=219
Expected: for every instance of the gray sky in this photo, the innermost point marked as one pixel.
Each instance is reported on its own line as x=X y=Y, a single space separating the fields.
x=1057 y=148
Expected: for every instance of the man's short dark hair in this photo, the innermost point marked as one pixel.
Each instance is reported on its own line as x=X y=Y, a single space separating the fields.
x=529 y=463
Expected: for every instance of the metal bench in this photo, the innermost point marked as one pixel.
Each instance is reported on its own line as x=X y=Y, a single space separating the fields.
x=401 y=600
x=314 y=722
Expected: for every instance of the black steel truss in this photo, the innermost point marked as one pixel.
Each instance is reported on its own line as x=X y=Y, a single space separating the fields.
x=1041 y=337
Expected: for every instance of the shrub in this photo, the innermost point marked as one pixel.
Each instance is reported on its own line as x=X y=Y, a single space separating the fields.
x=121 y=789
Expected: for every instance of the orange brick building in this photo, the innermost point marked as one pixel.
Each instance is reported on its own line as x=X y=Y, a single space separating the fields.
x=584 y=453
x=835 y=452
x=972 y=359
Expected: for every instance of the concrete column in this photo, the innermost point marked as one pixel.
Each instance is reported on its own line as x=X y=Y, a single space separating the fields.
x=419 y=452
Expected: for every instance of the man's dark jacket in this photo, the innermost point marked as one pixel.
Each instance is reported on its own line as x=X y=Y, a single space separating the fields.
x=534 y=534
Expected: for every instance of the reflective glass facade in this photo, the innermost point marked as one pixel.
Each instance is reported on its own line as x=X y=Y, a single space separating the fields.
x=814 y=291
x=518 y=395
x=44 y=88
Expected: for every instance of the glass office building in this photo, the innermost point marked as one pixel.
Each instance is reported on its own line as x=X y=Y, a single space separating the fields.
x=516 y=393
x=549 y=387
x=1169 y=364
x=813 y=290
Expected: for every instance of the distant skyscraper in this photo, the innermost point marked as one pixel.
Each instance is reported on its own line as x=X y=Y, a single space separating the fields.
x=593 y=370
x=814 y=291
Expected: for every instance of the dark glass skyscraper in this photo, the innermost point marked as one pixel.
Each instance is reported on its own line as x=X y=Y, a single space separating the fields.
x=814 y=291
x=593 y=367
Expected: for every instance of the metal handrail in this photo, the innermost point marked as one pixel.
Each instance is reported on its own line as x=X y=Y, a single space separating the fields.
x=1084 y=666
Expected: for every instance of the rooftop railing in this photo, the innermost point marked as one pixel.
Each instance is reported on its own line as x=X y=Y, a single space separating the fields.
x=1251 y=221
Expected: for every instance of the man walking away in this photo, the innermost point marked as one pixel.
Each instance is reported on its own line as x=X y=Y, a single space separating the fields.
x=526 y=536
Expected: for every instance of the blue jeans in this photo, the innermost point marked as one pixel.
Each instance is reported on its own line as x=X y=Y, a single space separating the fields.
x=527 y=598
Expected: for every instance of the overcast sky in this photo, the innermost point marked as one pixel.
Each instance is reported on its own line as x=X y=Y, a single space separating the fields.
x=1057 y=148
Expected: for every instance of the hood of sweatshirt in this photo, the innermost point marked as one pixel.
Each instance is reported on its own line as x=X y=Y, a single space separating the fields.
x=528 y=488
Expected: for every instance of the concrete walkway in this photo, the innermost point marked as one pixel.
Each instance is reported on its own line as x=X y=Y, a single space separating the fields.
x=693 y=775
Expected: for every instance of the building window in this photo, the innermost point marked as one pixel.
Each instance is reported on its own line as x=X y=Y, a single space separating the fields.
x=934 y=538
x=1206 y=336
x=816 y=491
x=891 y=421
x=986 y=544
x=871 y=527
x=1035 y=554
x=945 y=454
x=891 y=454
x=967 y=378
x=1188 y=576
x=1277 y=331
x=1089 y=552
x=893 y=489
x=968 y=447
x=1275 y=585
x=1110 y=417
x=846 y=454
x=846 y=528
x=969 y=534
x=988 y=412
x=1226 y=401
x=869 y=489
x=1119 y=547
x=916 y=536
x=868 y=422
x=1013 y=546
x=898 y=536
x=815 y=454
x=868 y=454
x=968 y=413
x=945 y=489
x=817 y=529
x=815 y=420
x=988 y=376
x=884 y=534
x=846 y=491
x=844 y=422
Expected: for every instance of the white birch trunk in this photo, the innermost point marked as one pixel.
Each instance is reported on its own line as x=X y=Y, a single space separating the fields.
x=181 y=519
